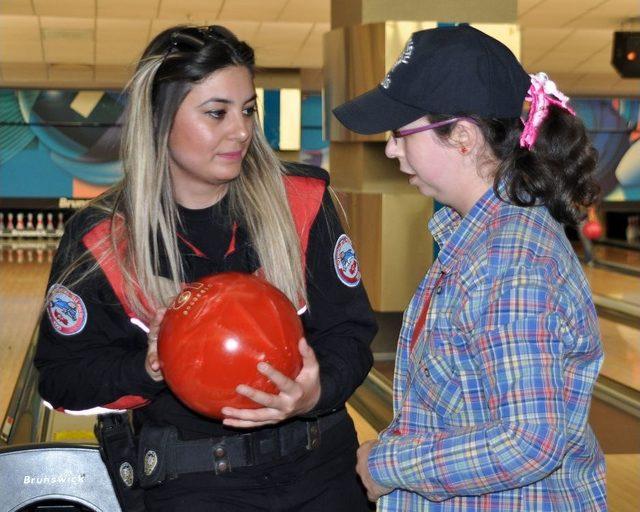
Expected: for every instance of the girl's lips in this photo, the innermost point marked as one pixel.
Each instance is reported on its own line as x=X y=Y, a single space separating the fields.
x=232 y=155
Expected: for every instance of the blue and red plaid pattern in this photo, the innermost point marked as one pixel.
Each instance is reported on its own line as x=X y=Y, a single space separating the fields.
x=491 y=399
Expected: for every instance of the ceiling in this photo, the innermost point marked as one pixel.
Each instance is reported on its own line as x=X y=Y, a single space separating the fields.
x=93 y=43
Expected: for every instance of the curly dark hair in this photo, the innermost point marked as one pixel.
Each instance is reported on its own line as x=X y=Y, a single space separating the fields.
x=557 y=172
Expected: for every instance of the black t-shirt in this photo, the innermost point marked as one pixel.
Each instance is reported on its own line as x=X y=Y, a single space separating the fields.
x=100 y=357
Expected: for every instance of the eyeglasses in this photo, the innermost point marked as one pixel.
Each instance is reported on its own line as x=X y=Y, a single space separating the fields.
x=398 y=134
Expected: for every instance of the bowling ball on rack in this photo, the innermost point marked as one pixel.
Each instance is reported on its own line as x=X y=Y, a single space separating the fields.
x=216 y=332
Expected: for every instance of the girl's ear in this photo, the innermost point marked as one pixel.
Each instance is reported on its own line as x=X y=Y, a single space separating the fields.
x=465 y=136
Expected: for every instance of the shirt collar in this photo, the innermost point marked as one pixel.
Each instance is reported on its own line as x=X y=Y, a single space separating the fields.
x=454 y=233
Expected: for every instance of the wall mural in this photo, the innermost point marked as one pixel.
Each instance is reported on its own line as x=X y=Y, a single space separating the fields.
x=65 y=143
x=614 y=128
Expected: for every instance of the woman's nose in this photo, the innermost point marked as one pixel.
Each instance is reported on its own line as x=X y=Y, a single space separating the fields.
x=391 y=149
x=241 y=129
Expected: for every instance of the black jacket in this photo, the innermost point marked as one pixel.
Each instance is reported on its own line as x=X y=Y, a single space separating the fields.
x=105 y=359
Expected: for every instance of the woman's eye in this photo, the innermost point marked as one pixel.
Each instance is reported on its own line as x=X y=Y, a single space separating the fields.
x=249 y=111
x=216 y=114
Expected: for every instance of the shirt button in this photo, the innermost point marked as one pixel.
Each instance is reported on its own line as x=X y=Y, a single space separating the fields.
x=439 y=290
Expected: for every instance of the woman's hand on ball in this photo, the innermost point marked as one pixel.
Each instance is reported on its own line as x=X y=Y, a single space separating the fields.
x=296 y=396
x=152 y=363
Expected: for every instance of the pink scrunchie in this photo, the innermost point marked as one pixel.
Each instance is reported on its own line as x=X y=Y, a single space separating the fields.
x=541 y=93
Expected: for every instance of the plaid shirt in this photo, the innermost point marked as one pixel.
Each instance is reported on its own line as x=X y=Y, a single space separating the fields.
x=491 y=395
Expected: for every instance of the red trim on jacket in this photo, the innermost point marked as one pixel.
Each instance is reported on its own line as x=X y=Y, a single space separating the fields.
x=98 y=241
x=304 y=195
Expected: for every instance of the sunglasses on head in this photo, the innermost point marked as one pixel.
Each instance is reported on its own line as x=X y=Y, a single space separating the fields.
x=194 y=38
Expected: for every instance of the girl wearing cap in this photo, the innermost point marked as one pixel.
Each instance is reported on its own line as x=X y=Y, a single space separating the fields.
x=500 y=345
x=203 y=193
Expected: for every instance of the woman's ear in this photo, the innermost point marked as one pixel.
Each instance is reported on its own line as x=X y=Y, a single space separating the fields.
x=464 y=136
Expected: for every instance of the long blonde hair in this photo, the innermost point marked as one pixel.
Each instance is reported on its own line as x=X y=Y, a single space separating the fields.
x=175 y=60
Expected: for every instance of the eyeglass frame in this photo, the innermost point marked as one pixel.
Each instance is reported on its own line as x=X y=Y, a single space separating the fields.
x=398 y=134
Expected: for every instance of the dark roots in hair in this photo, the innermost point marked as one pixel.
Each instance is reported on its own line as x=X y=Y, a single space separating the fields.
x=558 y=171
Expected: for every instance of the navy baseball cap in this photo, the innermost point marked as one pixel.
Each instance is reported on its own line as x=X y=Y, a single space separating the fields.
x=447 y=70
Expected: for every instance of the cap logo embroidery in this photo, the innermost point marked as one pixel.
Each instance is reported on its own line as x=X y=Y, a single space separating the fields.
x=402 y=59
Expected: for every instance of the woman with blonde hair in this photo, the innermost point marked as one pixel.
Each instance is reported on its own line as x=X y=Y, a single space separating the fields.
x=204 y=193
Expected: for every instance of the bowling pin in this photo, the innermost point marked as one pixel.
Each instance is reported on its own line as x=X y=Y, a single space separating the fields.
x=20 y=256
x=10 y=226
x=40 y=255
x=40 y=222
x=50 y=227
x=2 y=226
x=30 y=256
x=20 y=222
x=30 y=226
x=60 y=226
x=633 y=229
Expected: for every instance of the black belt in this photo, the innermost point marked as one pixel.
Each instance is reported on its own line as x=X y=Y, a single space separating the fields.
x=162 y=455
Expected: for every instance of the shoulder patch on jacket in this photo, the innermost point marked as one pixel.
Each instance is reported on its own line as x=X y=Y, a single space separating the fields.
x=345 y=262
x=67 y=311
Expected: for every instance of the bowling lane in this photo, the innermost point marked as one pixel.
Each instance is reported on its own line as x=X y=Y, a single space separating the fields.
x=622 y=352
x=23 y=280
x=614 y=285
x=611 y=254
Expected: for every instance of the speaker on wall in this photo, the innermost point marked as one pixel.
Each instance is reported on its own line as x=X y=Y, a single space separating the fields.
x=626 y=54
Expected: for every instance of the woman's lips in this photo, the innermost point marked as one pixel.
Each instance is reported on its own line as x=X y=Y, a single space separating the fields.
x=231 y=155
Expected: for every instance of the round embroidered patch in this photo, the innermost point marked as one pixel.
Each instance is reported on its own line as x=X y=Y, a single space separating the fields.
x=345 y=262
x=66 y=310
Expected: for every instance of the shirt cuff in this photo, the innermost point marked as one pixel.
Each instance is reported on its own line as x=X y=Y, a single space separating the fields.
x=395 y=463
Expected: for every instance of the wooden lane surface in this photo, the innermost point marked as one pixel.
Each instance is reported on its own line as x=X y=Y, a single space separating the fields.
x=614 y=285
x=610 y=254
x=623 y=482
x=621 y=352
x=22 y=287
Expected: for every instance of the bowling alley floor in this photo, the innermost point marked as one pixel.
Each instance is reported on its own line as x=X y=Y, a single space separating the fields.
x=23 y=274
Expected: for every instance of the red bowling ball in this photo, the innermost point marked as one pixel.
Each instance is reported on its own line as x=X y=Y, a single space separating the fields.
x=592 y=230
x=216 y=332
